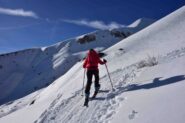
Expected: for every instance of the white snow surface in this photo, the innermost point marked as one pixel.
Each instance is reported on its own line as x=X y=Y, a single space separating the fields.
x=24 y=72
x=147 y=71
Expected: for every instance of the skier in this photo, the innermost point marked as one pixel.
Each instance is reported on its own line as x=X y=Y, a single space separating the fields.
x=91 y=63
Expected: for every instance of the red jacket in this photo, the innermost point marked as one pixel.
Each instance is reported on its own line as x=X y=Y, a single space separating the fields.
x=92 y=60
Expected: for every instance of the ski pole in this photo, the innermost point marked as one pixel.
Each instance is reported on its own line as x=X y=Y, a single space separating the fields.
x=83 y=81
x=109 y=76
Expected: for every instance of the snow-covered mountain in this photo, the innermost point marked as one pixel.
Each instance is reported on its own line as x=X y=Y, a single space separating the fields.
x=24 y=72
x=147 y=71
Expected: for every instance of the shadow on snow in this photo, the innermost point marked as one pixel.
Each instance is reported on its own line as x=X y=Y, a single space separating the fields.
x=156 y=83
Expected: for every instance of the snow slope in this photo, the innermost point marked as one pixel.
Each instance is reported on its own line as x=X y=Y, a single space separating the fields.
x=24 y=72
x=147 y=70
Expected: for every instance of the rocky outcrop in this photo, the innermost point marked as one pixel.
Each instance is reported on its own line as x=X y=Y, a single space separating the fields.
x=86 y=38
x=119 y=34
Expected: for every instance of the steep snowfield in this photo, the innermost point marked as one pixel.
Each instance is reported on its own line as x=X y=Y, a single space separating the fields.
x=156 y=95
x=24 y=72
x=147 y=70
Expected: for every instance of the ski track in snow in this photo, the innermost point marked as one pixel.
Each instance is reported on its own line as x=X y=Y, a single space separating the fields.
x=103 y=106
x=172 y=55
x=100 y=110
x=162 y=37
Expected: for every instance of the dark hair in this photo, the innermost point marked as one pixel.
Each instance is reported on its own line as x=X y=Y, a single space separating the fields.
x=91 y=49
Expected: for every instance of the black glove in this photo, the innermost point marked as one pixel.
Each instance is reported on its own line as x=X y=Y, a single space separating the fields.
x=105 y=61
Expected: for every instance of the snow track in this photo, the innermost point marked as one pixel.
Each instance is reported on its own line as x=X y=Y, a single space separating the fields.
x=101 y=109
x=143 y=93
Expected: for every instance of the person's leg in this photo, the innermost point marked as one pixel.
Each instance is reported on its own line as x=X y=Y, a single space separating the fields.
x=89 y=82
x=97 y=85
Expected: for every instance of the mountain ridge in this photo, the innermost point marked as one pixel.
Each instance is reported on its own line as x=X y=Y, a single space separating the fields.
x=39 y=67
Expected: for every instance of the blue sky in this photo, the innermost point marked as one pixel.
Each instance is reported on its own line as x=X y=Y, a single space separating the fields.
x=35 y=23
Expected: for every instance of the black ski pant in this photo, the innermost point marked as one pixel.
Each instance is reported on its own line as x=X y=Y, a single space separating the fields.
x=90 y=74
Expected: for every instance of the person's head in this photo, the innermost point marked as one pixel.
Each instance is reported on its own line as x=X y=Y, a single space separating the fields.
x=91 y=50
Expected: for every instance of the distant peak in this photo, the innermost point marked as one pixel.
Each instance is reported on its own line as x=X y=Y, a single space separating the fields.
x=142 y=22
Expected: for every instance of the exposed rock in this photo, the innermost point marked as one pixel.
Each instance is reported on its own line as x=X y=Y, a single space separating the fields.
x=118 y=34
x=86 y=39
